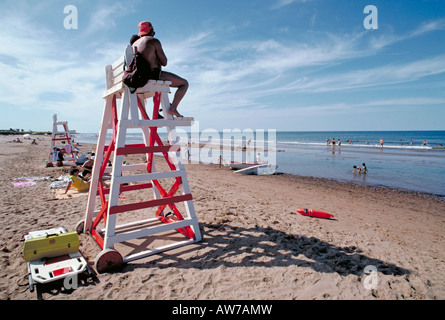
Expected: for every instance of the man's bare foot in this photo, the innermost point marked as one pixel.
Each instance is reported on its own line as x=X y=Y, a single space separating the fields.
x=174 y=112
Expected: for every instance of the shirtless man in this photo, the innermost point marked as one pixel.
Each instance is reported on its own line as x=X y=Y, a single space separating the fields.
x=151 y=50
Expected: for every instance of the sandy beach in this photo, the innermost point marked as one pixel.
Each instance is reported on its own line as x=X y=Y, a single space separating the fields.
x=255 y=245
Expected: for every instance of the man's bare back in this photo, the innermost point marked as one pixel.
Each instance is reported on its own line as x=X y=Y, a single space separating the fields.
x=151 y=50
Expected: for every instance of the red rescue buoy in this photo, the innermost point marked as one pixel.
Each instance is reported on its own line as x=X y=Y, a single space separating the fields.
x=315 y=213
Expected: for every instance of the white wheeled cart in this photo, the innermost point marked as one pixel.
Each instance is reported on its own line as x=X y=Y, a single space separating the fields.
x=52 y=255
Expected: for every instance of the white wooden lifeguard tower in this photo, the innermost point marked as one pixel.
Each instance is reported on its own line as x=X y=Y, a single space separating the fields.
x=61 y=138
x=170 y=188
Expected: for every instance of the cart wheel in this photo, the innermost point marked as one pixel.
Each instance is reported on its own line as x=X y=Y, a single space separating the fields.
x=80 y=226
x=108 y=260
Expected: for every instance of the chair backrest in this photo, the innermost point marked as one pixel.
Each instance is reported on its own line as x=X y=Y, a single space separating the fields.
x=115 y=71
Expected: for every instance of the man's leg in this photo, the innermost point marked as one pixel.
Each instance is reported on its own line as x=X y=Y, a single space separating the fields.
x=177 y=82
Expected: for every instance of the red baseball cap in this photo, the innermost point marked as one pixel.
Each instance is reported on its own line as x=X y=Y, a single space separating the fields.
x=145 y=27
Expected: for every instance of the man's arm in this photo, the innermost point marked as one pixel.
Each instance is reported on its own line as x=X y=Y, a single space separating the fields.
x=162 y=58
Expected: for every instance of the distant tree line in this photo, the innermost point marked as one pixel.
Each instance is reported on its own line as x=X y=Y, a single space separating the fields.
x=21 y=131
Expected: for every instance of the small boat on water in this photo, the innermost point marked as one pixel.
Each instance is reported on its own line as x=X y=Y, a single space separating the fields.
x=260 y=169
x=243 y=165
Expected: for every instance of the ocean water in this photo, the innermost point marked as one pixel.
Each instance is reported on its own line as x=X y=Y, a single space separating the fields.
x=403 y=161
x=397 y=164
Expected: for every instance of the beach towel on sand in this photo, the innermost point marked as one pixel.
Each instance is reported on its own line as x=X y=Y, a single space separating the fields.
x=27 y=181
x=59 y=183
x=21 y=184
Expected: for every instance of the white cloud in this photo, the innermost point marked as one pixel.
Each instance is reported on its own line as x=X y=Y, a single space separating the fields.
x=297 y=111
x=39 y=73
x=264 y=69
x=239 y=73
x=379 y=76
x=388 y=39
x=103 y=18
x=283 y=3
x=408 y=101
x=429 y=26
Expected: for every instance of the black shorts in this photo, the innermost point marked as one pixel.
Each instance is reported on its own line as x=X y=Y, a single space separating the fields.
x=155 y=74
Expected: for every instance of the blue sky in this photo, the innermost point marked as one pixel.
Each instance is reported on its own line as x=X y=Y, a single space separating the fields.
x=307 y=65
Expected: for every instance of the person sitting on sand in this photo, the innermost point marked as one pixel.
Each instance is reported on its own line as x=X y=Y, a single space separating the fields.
x=76 y=182
x=357 y=168
x=58 y=157
x=80 y=159
x=151 y=50
x=88 y=168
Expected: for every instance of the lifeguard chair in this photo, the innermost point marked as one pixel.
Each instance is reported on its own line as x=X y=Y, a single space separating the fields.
x=150 y=220
x=61 y=139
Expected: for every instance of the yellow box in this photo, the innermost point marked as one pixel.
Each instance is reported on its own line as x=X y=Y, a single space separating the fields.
x=50 y=246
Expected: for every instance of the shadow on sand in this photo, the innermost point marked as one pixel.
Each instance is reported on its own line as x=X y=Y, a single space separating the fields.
x=232 y=246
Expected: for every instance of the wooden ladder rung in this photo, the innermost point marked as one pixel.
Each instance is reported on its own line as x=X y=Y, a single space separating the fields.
x=58 y=139
x=150 y=203
x=130 y=187
x=145 y=149
x=148 y=176
x=176 y=122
